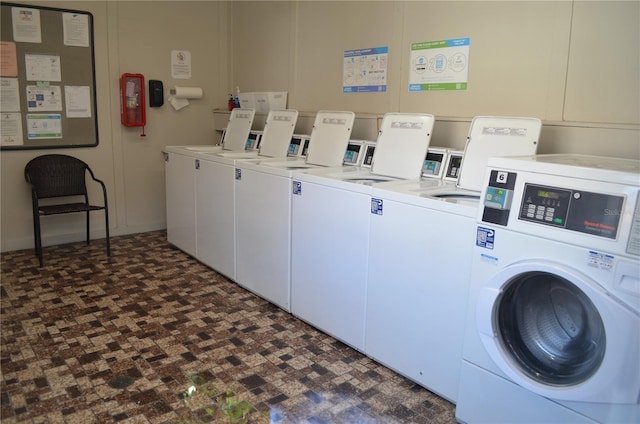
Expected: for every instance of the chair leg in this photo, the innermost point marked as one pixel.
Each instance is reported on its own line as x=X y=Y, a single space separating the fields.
x=87 y=227
x=38 y=237
x=106 y=221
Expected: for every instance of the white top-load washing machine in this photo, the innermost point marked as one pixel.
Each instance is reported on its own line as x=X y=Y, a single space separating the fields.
x=263 y=208
x=420 y=256
x=215 y=192
x=331 y=209
x=180 y=179
x=489 y=136
x=553 y=323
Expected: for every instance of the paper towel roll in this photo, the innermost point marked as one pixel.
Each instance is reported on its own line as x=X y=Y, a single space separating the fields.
x=187 y=92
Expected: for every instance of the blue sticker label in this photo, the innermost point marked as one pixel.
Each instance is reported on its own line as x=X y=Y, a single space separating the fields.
x=376 y=206
x=297 y=187
x=485 y=237
x=238 y=174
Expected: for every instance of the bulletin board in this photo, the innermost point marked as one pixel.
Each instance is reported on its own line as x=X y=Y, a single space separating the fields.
x=47 y=71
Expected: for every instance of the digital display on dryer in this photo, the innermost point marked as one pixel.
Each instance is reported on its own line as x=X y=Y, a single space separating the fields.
x=582 y=211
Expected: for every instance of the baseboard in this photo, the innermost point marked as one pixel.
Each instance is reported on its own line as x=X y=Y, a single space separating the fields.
x=97 y=234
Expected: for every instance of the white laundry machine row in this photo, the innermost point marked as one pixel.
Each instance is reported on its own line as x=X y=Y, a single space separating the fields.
x=553 y=317
x=181 y=195
x=263 y=208
x=331 y=209
x=200 y=186
x=180 y=179
x=215 y=191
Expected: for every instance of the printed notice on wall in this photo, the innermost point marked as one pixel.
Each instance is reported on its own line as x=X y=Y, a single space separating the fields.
x=41 y=67
x=365 y=70
x=439 y=65
x=180 y=64
x=9 y=95
x=44 y=98
x=8 y=59
x=26 y=25
x=11 y=129
x=78 y=103
x=44 y=126
x=76 y=29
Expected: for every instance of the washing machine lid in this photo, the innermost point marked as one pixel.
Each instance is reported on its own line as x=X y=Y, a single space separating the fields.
x=491 y=136
x=238 y=129
x=402 y=145
x=330 y=137
x=192 y=150
x=278 y=131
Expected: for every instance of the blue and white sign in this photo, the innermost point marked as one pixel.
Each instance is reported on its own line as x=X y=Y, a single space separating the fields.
x=365 y=70
x=376 y=206
x=296 y=188
x=485 y=237
x=238 y=174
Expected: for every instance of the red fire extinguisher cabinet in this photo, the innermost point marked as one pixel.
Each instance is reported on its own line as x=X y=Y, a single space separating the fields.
x=133 y=101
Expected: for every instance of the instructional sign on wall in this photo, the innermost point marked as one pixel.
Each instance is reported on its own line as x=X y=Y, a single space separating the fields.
x=439 y=65
x=180 y=64
x=365 y=70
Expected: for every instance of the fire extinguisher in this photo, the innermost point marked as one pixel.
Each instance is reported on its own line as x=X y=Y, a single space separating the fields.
x=132 y=107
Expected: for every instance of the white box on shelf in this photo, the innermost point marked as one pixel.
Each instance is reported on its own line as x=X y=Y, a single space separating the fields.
x=277 y=99
x=247 y=101
x=262 y=102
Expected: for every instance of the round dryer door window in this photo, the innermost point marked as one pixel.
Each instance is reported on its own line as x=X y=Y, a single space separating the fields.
x=551 y=329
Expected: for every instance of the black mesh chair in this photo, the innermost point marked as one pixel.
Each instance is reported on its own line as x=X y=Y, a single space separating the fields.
x=61 y=176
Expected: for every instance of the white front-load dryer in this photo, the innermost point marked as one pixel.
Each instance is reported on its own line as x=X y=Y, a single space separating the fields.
x=553 y=318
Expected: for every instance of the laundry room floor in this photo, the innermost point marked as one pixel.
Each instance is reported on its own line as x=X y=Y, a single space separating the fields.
x=151 y=335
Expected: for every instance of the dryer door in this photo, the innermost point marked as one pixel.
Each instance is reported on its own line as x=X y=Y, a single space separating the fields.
x=557 y=333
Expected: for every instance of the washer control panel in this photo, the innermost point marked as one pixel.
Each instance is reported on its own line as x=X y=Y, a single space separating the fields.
x=353 y=154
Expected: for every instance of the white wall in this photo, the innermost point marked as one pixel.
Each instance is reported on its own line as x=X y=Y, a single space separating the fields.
x=575 y=65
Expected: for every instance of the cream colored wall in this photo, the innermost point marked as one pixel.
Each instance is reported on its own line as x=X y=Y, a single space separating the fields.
x=573 y=64
x=134 y=37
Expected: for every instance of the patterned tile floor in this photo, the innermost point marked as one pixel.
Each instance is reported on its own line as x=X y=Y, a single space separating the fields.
x=92 y=339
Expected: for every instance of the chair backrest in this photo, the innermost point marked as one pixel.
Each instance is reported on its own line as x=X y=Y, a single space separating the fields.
x=56 y=176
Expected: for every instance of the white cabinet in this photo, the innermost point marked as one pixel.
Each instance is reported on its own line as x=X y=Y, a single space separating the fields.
x=419 y=268
x=181 y=201
x=215 y=216
x=329 y=253
x=263 y=234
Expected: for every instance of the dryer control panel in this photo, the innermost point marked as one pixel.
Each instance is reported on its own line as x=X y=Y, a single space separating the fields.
x=577 y=210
